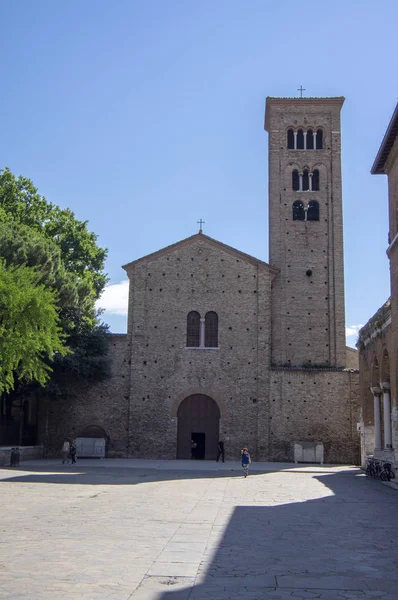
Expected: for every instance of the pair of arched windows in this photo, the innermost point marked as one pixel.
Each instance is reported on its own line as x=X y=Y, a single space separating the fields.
x=305 y=139
x=202 y=333
x=307 y=181
x=306 y=213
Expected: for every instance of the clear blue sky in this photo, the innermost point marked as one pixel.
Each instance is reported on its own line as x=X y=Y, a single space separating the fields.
x=144 y=116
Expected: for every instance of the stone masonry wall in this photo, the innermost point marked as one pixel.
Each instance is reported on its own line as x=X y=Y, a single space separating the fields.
x=202 y=277
x=317 y=406
x=104 y=404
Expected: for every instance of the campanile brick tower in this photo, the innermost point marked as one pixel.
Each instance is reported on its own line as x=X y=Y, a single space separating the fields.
x=306 y=231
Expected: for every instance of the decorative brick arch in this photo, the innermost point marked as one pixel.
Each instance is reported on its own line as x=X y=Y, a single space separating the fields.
x=375 y=370
x=199 y=390
x=385 y=365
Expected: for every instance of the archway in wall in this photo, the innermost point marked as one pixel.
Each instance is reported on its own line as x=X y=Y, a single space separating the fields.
x=367 y=397
x=384 y=378
x=93 y=431
x=92 y=442
x=376 y=378
x=198 y=420
x=385 y=367
x=375 y=374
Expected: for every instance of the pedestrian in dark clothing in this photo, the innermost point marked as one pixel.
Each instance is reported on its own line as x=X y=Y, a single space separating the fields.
x=72 y=452
x=245 y=461
x=221 y=451
x=14 y=457
x=193 y=449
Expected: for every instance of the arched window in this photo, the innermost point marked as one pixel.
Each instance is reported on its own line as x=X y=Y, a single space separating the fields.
x=315 y=180
x=310 y=139
x=298 y=211
x=193 y=329
x=300 y=140
x=211 y=330
x=290 y=139
x=319 y=139
x=295 y=180
x=313 y=211
x=306 y=181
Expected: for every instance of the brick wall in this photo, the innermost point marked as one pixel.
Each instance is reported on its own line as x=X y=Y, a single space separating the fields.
x=104 y=404
x=315 y=406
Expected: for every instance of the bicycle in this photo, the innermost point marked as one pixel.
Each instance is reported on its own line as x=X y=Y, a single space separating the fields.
x=371 y=467
x=387 y=472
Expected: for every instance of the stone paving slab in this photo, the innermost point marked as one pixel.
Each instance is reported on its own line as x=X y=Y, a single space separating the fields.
x=160 y=530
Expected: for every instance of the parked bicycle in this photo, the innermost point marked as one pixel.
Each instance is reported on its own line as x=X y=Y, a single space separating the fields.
x=387 y=472
x=379 y=469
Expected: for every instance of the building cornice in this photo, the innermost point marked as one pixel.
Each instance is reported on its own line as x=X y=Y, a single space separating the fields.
x=375 y=326
x=387 y=144
x=271 y=101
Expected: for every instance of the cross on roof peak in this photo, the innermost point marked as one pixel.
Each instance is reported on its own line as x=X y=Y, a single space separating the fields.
x=301 y=90
x=200 y=223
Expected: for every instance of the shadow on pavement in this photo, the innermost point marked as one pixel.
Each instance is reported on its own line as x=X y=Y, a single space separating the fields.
x=337 y=546
x=131 y=475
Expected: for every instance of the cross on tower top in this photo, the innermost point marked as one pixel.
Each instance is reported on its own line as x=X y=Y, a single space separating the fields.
x=301 y=90
x=200 y=223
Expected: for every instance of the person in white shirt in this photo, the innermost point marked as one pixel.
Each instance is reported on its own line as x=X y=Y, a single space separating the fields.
x=65 y=451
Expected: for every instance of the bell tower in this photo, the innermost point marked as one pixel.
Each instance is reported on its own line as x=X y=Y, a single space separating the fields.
x=306 y=231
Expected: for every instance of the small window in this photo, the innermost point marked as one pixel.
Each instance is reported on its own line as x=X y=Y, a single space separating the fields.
x=313 y=211
x=319 y=139
x=290 y=139
x=211 y=330
x=306 y=181
x=295 y=181
x=300 y=140
x=193 y=330
x=310 y=139
x=298 y=211
x=315 y=181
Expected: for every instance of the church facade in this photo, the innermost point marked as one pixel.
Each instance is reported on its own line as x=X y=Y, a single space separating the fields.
x=223 y=346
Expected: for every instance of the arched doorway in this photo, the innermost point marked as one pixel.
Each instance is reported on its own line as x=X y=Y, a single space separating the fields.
x=198 y=419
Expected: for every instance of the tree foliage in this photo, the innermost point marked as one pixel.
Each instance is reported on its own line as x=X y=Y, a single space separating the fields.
x=30 y=335
x=68 y=263
x=21 y=203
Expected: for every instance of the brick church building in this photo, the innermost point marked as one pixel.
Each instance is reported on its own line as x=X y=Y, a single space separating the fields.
x=223 y=346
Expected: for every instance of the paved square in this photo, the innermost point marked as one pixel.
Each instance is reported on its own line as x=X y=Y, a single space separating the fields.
x=179 y=530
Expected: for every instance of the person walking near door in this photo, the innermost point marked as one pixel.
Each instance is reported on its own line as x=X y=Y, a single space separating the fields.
x=221 y=451
x=246 y=460
x=193 y=449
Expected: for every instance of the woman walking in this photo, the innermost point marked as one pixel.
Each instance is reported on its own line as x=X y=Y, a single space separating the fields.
x=65 y=451
x=245 y=461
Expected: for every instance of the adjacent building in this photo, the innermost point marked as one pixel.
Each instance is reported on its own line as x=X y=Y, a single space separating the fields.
x=378 y=339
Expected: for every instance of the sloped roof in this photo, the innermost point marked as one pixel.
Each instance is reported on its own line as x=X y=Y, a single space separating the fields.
x=204 y=238
x=386 y=146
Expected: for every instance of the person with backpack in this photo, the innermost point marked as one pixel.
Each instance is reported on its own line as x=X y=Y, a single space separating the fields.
x=246 y=460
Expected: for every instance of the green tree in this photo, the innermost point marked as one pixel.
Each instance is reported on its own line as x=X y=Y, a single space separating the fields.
x=30 y=334
x=68 y=261
x=21 y=203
